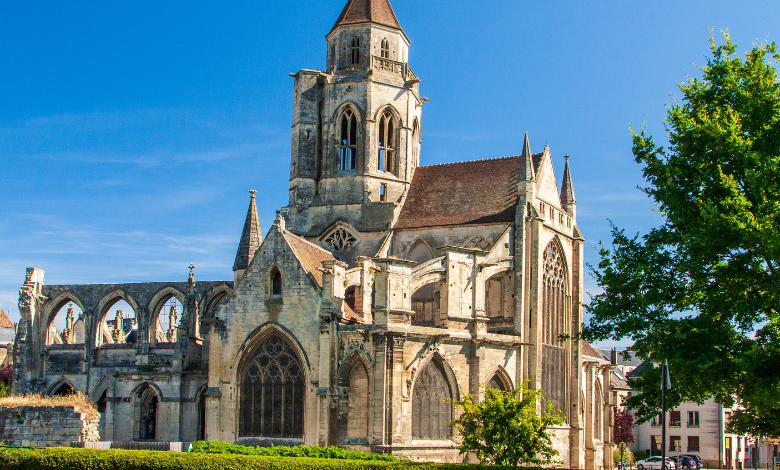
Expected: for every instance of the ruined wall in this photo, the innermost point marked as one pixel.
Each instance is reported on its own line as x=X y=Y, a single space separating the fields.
x=46 y=426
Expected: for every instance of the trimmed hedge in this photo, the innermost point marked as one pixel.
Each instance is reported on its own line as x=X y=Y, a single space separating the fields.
x=66 y=458
x=332 y=452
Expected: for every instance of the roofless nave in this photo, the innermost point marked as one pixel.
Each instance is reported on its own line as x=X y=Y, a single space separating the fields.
x=383 y=288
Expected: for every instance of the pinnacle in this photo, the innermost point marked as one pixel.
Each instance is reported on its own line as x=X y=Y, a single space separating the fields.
x=527 y=172
x=368 y=11
x=567 y=188
x=251 y=237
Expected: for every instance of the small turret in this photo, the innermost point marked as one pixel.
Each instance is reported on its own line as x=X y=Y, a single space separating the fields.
x=568 y=202
x=251 y=238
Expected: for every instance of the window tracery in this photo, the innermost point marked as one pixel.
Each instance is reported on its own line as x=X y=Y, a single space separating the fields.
x=272 y=389
x=348 y=140
x=431 y=414
x=554 y=293
x=386 y=157
x=385 y=49
x=340 y=240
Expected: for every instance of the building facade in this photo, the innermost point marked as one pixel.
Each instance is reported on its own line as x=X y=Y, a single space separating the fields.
x=382 y=289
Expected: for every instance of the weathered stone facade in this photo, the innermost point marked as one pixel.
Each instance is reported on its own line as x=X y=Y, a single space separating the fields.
x=46 y=426
x=382 y=289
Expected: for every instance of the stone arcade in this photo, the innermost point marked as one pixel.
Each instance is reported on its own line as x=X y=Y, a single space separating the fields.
x=383 y=288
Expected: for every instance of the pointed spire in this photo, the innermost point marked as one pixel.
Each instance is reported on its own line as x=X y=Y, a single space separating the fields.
x=368 y=11
x=251 y=237
x=567 y=188
x=527 y=172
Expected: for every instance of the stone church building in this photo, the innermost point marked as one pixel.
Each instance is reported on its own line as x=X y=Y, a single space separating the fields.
x=381 y=290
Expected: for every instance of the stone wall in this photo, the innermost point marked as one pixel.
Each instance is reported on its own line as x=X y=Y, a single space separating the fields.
x=46 y=426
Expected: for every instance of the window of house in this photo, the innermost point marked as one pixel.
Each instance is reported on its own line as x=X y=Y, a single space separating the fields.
x=674 y=418
x=386 y=140
x=355 y=49
x=657 y=420
x=348 y=140
x=693 y=443
x=276 y=282
x=383 y=192
x=693 y=418
x=727 y=418
x=655 y=445
x=385 y=49
x=674 y=443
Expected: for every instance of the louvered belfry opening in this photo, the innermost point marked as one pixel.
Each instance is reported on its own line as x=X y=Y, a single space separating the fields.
x=272 y=388
x=554 y=325
x=431 y=415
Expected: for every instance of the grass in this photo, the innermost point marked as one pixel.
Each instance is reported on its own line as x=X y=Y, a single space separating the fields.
x=80 y=402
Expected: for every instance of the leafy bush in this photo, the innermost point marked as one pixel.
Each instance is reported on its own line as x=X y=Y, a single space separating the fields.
x=640 y=455
x=628 y=456
x=216 y=447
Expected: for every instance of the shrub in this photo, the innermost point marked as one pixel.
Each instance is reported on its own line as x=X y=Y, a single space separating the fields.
x=216 y=447
x=80 y=402
x=640 y=455
x=628 y=457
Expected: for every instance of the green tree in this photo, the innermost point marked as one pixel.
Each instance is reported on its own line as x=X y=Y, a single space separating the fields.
x=506 y=429
x=703 y=289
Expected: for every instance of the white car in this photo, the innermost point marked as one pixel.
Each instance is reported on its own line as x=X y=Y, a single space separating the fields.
x=654 y=463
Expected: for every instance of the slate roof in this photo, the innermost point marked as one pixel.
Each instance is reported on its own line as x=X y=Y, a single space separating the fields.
x=368 y=11
x=4 y=321
x=475 y=192
x=251 y=237
x=310 y=255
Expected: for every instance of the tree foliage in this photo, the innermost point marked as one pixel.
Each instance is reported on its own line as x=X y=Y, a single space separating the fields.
x=506 y=429
x=623 y=427
x=703 y=289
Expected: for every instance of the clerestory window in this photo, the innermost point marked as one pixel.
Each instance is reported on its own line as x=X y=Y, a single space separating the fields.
x=348 y=140
x=386 y=157
x=385 y=49
x=355 y=49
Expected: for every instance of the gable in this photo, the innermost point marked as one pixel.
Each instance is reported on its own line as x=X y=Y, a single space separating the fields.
x=546 y=184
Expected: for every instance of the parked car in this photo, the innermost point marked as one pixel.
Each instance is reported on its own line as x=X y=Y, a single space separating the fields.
x=654 y=463
x=695 y=457
x=685 y=462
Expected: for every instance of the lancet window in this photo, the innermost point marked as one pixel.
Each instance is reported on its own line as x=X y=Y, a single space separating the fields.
x=272 y=388
x=355 y=50
x=385 y=49
x=348 y=140
x=496 y=383
x=148 y=422
x=431 y=414
x=416 y=143
x=554 y=294
x=386 y=158
x=276 y=282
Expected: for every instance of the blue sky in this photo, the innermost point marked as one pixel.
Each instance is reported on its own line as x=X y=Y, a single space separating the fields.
x=130 y=133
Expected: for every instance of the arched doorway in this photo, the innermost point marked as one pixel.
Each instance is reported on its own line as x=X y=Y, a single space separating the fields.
x=431 y=414
x=148 y=421
x=272 y=391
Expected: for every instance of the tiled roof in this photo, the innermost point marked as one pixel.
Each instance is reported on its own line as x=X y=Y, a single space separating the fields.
x=350 y=315
x=368 y=11
x=310 y=255
x=589 y=350
x=475 y=192
x=4 y=321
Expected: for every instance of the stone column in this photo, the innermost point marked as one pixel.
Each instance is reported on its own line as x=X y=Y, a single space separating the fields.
x=381 y=391
x=396 y=389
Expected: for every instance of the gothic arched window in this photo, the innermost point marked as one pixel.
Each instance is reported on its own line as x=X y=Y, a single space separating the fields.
x=272 y=388
x=554 y=293
x=355 y=49
x=386 y=158
x=385 y=49
x=148 y=424
x=497 y=383
x=348 y=140
x=276 y=282
x=431 y=414
x=416 y=143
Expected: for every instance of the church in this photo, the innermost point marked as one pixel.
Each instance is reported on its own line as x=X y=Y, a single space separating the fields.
x=383 y=289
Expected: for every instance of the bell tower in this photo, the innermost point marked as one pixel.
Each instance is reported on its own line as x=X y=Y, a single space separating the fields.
x=356 y=125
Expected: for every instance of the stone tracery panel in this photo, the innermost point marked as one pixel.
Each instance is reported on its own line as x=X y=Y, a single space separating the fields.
x=272 y=391
x=431 y=414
